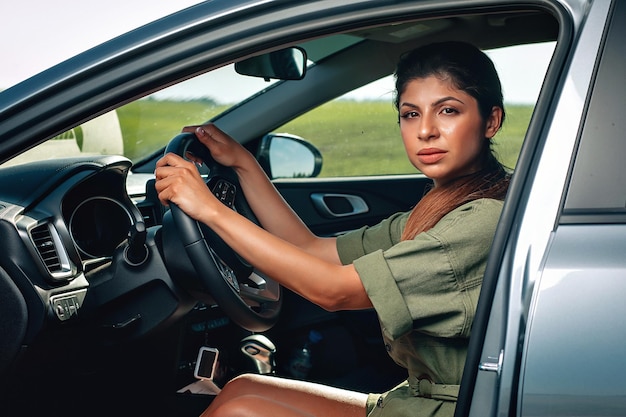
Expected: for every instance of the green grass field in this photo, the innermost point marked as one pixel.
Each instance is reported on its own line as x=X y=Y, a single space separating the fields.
x=156 y=122
x=332 y=127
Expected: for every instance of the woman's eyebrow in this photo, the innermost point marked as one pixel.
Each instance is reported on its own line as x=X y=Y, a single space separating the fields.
x=435 y=103
x=447 y=98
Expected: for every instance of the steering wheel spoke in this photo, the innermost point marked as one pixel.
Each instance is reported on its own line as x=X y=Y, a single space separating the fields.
x=260 y=289
x=226 y=271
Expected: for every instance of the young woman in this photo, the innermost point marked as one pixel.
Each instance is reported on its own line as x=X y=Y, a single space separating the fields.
x=421 y=271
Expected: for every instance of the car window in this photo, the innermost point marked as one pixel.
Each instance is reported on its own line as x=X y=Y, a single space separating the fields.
x=142 y=127
x=139 y=129
x=366 y=119
x=597 y=182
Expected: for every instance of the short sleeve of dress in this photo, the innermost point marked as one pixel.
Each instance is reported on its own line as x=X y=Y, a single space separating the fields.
x=365 y=240
x=430 y=283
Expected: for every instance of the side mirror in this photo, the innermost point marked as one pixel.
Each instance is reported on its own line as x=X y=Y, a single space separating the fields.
x=284 y=64
x=288 y=156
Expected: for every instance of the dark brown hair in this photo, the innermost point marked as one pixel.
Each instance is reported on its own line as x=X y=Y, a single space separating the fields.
x=471 y=71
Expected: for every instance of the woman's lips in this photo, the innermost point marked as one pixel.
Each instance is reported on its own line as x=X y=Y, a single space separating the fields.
x=430 y=155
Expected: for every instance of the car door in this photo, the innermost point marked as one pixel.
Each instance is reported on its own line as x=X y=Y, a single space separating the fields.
x=544 y=345
x=578 y=309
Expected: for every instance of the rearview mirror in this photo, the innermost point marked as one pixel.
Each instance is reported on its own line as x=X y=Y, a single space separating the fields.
x=285 y=64
x=288 y=156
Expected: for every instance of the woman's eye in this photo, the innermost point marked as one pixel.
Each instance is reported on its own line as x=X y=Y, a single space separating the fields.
x=448 y=110
x=410 y=115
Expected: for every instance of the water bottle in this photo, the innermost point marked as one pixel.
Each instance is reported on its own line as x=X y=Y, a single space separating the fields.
x=301 y=361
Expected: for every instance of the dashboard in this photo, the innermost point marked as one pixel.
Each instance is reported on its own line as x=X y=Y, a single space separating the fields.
x=75 y=212
x=98 y=224
x=68 y=228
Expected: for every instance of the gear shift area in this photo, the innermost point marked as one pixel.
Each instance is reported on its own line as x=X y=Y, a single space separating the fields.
x=262 y=351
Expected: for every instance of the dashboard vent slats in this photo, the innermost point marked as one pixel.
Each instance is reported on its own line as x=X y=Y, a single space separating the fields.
x=42 y=237
x=51 y=251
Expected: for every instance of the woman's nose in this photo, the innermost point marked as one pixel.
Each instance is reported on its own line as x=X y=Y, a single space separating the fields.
x=427 y=128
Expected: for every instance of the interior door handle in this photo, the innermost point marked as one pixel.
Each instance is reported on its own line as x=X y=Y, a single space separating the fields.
x=339 y=205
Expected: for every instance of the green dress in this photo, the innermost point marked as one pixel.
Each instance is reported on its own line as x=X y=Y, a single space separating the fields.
x=425 y=293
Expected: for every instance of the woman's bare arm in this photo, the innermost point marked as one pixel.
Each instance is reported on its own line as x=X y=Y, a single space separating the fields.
x=272 y=211
x=326 y=283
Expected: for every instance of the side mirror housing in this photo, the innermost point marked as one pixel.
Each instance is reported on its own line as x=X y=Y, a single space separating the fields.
x=282 y=155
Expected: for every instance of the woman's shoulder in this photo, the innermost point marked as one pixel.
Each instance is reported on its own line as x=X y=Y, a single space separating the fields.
x=483 y=204
x=476 y=217
x=482 y=207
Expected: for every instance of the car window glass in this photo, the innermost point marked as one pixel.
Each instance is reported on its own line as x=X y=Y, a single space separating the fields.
x=142 y=127
x=366 y=120
x=598 y=179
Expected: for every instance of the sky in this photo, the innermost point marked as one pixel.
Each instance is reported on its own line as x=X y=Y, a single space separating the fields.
x=37 y=34
x=519 y=84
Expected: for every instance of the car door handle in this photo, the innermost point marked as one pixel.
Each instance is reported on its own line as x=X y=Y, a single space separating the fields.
x=339 y=205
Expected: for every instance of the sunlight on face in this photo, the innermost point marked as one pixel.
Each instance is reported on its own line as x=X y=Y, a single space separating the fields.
x=442 y=129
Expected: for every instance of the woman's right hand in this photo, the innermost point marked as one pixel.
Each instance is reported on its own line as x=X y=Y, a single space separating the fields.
x=224 y=149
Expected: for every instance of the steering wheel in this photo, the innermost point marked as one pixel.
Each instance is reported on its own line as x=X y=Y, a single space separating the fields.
x=250 y=299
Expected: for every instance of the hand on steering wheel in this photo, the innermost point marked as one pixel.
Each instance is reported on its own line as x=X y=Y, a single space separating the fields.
x=250 y=299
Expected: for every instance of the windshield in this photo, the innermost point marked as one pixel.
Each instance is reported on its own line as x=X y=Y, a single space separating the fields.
x=139 y=129
x=143 y=127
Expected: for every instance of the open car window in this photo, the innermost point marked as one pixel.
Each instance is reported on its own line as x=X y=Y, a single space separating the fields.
x=367 y=121
x=364 y=118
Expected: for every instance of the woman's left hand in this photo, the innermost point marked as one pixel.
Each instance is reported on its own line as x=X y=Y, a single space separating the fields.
x=178 y=181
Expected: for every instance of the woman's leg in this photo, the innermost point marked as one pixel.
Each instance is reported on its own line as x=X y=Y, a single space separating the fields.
x=260 y=395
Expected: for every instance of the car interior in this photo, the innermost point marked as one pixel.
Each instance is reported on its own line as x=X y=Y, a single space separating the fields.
x=103 y=309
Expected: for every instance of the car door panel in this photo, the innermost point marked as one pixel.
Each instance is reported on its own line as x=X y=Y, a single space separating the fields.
x=352 y=345
x=333 y=206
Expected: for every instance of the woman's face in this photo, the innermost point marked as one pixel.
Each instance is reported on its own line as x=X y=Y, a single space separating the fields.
x=442 y=129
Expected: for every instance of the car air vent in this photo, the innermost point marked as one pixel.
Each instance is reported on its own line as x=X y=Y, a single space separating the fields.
x=45 y=246
x=47 y=242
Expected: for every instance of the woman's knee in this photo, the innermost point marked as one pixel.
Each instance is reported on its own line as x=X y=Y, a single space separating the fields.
x=248 y=405
x=239 y=406
x=243 y=385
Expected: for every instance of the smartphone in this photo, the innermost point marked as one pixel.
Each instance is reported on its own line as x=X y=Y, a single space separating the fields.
x=206 y=363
